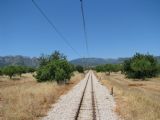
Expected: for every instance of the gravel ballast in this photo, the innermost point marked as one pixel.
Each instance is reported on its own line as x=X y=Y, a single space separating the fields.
x=68 y=104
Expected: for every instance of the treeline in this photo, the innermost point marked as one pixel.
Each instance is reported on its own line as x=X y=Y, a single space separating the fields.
x=140 y=66
x=109 y=68
x=15 y=70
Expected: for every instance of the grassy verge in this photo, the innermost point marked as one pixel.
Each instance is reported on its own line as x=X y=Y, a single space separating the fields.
x=25 y=99
x=136 y=100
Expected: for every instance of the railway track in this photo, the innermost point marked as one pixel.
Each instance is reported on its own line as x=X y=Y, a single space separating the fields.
x=87 y=106
x=88 y=100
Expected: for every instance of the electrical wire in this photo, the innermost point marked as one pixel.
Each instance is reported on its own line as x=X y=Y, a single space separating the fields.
x=85 y=33
x=54 y=27
x=84 y=27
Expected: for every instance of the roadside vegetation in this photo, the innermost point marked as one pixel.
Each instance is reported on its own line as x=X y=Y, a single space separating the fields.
x=0 y=71
x=135 y=100
x=27 y=93
x=80 y=69
x=27 y=99
x=15 y=70
x=54 y=67
x=159 y=69
x=141 y=66
x=136 y=87
x=108 y=68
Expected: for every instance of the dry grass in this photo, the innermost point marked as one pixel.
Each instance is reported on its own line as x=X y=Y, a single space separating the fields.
x=25 y=99
x=136 y=100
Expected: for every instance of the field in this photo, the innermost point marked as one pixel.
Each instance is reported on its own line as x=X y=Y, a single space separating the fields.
x=136 y=100
x=25 y=99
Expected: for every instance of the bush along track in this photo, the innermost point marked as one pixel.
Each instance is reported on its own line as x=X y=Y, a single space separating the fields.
x=141 y=66
x=54 y=68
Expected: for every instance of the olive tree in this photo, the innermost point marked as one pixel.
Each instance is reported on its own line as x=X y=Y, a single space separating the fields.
x=141 y=66
x=57 y=68
x=109 y=68
x=9 y=71
x=20 y=70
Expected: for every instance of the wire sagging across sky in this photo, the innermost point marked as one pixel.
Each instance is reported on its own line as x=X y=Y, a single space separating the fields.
x=54 y=27
x=84 y=27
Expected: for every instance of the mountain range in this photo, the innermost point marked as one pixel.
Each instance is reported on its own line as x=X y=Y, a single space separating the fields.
x=28 y=61
x=97 y=61
x=18 y=60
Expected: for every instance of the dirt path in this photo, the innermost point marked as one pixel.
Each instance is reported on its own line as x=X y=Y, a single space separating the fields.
x=88 y=100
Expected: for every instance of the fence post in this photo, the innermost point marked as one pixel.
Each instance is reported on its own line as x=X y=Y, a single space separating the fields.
x=111 y=93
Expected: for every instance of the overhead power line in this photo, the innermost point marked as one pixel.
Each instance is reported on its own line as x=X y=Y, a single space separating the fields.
x=84 y=27
x=54 y=27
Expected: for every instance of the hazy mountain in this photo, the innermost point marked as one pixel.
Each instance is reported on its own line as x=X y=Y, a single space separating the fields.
x=18 y=60
x=96 y=61
x=27 y=61
x=99 y=61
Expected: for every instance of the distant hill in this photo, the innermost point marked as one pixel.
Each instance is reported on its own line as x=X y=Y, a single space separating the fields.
x=100 y=61
x=27 y=61
x=96 y=61
x=18 y=60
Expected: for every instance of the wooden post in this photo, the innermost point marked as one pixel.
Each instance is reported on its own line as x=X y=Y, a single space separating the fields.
x=111 y=93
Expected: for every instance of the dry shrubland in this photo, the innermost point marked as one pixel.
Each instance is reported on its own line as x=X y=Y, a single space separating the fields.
x=136 y=100
x=25 y=99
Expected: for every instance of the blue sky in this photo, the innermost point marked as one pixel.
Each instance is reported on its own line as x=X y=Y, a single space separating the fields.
x=116 y=28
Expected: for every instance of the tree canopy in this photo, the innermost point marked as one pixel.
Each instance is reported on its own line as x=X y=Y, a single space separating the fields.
x=141 y=66
x=0 y=71
x=109 y=68
x=54 y=67
x=15 y=70
x=80 y=69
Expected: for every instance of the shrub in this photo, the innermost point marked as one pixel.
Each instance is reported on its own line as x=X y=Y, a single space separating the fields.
x=159 y=68
x=43 y=60
x=80 y=69
x=30 y=69
x=100 y=68
x=43 y=74
x=0 y=71
x=66 y=66
x=60 y=75
x=57 y=68
x=117 y=67
x=57 y=56
x=140 y=66
x=109 y=68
